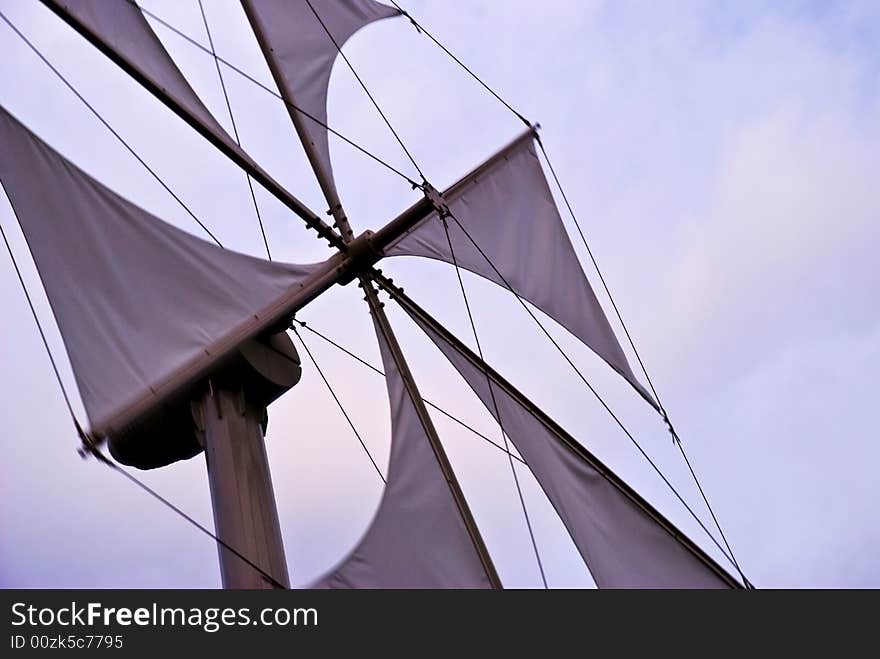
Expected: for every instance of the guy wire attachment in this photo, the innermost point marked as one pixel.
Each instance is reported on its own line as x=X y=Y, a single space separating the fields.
x=88 y=447
x=437 y=201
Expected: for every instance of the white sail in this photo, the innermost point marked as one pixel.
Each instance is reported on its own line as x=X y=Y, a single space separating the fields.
x=120 y=26
x=301 y=54
x=135 y=298
x=417 y=538
x=506 y=207
x=623 y=541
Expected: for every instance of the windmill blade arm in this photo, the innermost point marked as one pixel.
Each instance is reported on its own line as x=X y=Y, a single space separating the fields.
x=624 y=540
x=196 y=119
x=275 y=315
x=423 y=534
x=500 y=222
x=300 y=41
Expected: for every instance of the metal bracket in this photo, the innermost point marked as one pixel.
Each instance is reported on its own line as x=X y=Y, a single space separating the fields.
x=437 y=201
x=340 y=221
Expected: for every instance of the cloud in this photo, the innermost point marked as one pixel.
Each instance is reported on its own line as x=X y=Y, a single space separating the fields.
x=793 y=434
x=788 y=248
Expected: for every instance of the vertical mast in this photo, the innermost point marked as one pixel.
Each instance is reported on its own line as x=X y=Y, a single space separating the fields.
x=245 y=516
x=372 y=298
x=230 y=418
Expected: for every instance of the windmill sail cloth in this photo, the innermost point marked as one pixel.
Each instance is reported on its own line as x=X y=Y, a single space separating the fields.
x=135 y=298
x=507 y=209
x=122 y=28
x=301 y=54
x=623 y=544
x=417 y=538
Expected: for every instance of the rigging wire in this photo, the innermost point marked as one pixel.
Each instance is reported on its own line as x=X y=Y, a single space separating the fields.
x=421 y=29
x=473 y=324
x=367 y=91
x=675 y=437
x=107 y=125
x=37 y=319
x=94 y=450
x=234 y=127
x=338 y=402
x=272 y=92
x=427 y=402
x=88 y=445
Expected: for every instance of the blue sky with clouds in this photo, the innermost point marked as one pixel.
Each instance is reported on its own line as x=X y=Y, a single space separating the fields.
x=722 y=158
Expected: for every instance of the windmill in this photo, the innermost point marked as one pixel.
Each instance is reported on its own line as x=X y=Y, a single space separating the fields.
x=159 y=391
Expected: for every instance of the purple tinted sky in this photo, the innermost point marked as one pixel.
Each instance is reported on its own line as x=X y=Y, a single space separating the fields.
x=723 y=160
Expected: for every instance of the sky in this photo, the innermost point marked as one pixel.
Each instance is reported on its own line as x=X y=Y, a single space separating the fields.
x=722 y=160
